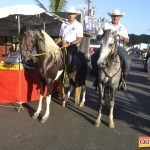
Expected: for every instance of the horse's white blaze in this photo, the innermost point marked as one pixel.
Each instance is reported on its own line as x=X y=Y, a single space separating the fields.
x=40 y=104
x=102 y=56
x=105 y=50
x=58 y=74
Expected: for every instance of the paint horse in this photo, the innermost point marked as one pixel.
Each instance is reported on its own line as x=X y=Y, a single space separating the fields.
x=51 y=62
x=109 y=74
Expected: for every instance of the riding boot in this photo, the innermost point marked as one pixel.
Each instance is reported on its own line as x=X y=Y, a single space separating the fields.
x=70 y=67
x=71 y=58
x=126 y=65
x=122 y=85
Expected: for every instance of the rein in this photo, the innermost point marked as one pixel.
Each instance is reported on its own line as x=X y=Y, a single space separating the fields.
x=45 y=53
x=113 y=54
x=41 y=54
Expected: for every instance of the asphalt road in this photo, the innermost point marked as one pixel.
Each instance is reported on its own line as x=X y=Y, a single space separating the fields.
x=72 y=128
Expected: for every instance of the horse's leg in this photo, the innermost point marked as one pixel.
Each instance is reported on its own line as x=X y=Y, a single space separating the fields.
x=83 y=96
x=47 y=112
x=48 y=101
x=77 y=95
x=67 y=93
x=70 y=90
x=36 y=114
x=101 y=95
x=66 y=89
x=42 y=88
x=112 y=104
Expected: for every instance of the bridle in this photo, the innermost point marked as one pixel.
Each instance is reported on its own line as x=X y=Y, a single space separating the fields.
x=108 y=60
x=28 y=55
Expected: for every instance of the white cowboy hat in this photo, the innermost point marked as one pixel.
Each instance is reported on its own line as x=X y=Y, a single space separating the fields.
x=116 y=12
x=72 y=10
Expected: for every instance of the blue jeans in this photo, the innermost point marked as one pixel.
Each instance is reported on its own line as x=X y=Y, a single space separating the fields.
x=126 y=60
x=70 y=57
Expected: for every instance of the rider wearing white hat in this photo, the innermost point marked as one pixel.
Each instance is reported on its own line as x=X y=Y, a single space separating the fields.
x=115 y=25
x=116 y=12
x=72 y=10
x=71 y=32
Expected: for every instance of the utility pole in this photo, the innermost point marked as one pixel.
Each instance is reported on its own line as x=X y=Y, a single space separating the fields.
x=88 y=2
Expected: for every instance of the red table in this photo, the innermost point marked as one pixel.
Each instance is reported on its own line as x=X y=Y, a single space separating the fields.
x=19 y=86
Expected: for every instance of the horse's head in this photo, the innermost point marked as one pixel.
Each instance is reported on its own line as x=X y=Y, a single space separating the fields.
x=108 y=46
x=27 y=42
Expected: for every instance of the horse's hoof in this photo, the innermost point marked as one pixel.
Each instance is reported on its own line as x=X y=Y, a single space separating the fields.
x=97 y=124
x=35 y=116
x=76 y=104
x=44 y=119
x=64 y=104
x=81 y=105
x=111 y=125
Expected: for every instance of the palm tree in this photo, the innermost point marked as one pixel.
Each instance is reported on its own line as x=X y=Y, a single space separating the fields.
x=55 y=5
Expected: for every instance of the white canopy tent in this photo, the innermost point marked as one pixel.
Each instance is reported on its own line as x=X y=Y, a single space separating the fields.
x=12 y=18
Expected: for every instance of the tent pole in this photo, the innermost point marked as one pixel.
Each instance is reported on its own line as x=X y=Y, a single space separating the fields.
x=20 y=92
x=18 y=24
x=44 y=26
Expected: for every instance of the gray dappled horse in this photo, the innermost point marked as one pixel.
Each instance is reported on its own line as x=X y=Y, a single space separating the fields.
x=50 y=65
x=109 y=74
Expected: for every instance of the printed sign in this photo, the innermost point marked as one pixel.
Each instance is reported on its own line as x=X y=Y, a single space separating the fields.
x=144 y=141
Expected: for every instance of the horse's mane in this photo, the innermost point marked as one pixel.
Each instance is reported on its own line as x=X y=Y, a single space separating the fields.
x=50 y=44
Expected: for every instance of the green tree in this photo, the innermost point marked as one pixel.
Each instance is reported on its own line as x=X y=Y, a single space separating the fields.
x=137 y=39
x=55 y=5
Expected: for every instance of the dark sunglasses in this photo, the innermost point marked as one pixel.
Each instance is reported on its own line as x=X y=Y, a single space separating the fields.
x=71 y=13
x=116 y=16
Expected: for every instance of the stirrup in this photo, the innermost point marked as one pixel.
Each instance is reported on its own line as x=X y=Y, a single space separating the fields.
x=123 y=86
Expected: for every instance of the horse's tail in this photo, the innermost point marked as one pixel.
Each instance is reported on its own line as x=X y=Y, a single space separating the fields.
x=81 y=65
x=80 y=92
x=80 y=87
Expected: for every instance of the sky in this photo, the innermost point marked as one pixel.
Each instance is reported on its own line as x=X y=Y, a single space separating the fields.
x=136 y=19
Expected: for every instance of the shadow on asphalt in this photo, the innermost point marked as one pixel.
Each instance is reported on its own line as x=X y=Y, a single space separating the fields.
x=132 y=106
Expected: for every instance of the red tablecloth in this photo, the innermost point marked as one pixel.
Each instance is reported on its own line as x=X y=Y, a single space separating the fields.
x=19 y=86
